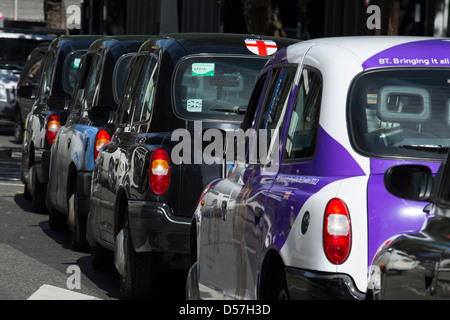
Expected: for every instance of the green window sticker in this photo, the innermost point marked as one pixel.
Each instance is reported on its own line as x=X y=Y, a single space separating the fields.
x=76 y=63
x=202 y=69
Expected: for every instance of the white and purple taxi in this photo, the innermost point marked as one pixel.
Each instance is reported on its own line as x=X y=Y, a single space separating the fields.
x=306 y=223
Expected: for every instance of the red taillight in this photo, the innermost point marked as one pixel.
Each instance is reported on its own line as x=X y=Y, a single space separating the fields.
x=337 y=235
x=52 y=127
x=159 y=171
x=101 y=139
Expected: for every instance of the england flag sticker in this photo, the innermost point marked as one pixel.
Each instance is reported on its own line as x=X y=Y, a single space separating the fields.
x=261 y=47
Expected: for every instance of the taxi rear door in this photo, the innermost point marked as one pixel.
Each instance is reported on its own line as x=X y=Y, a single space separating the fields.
x=246 y=223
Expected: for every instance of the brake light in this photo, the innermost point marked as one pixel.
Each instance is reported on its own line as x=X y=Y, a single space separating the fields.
x=101 y=139
x=337 y=235
x=159 y=171
x=53 y=126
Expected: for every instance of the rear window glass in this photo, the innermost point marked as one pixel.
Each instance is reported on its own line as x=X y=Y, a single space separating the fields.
x=120 y=73
x=212 y=87
x=402 y=112
x=71 y=67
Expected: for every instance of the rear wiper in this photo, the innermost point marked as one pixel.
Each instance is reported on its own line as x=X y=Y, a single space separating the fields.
x=433 y=148
x=237 y=110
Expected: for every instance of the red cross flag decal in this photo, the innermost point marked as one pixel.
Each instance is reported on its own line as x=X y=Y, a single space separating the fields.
x=261 y=47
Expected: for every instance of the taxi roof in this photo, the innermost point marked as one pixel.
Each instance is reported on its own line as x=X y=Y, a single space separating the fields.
x=380 y=51
x=196 y=43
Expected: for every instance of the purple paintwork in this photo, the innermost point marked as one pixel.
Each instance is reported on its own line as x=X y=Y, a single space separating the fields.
x=387 y=214
x=331 y=159
x=419 y=53
x=297 y=182
x=280 y=57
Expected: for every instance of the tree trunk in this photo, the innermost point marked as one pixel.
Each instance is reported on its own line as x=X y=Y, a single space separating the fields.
x=263 y=17
x=55 y=14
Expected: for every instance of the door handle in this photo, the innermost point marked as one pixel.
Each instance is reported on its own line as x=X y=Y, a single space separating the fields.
x=68 y=143
x=258 y=212
x=223 y=212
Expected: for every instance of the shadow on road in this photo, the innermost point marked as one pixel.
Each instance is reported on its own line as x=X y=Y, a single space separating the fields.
x=169 y=284
x=23 y=203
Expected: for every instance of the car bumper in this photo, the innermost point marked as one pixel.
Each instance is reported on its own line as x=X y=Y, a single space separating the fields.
x=84 y=192
x=42 y=162
x=305 y=284
x=192 y=290
x=154 y=228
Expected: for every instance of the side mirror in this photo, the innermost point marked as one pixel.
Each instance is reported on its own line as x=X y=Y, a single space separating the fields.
x=410 y=182
x=26 y=92
x=102 y=115
x=57 y=102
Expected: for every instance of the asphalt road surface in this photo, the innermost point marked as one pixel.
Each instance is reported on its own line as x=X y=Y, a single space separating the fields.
x=37 y=262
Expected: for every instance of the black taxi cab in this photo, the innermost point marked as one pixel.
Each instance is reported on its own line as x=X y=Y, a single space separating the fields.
x=15 y=47
x=90 y=124
x=49 y=112
x=147 y=180
x=29 y=77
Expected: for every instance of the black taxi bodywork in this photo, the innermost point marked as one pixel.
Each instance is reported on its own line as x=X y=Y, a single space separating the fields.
x=48 y=112
x=416 y=265
x=142 y=198
x=90 y=124
x=29 y=78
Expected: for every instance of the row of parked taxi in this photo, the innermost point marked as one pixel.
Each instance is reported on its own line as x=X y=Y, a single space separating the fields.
x=127 y=94
x=332 y=115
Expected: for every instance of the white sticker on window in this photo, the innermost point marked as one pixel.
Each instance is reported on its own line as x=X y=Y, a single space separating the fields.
x=202 y=69
x=194 y=105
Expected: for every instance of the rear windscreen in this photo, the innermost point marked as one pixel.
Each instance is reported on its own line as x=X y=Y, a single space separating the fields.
x=402 y=112
x=209 y=87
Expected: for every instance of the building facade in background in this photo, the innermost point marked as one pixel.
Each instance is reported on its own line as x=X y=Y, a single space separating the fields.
x=299 y=18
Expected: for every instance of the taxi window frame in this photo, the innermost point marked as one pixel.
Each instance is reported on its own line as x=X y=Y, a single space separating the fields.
x=289 y=117
x=351 y=132
x=118 y=95
x=82 y=78
x=142 y=82
x=64 y=69
x=96 y=63
x=269 y=92
x=126 y=106
x=207 y=55
x=46 y=80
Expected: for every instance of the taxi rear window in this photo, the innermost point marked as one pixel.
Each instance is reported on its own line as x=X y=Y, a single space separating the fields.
x=71 y=67
x=401 y=112
x=215 y=87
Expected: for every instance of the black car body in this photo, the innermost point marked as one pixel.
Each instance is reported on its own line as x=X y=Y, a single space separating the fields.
x=49 y=112
x=142 y=201
x=96 y=94
x=14 y=50
x=416 y=265
x=29 y=77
